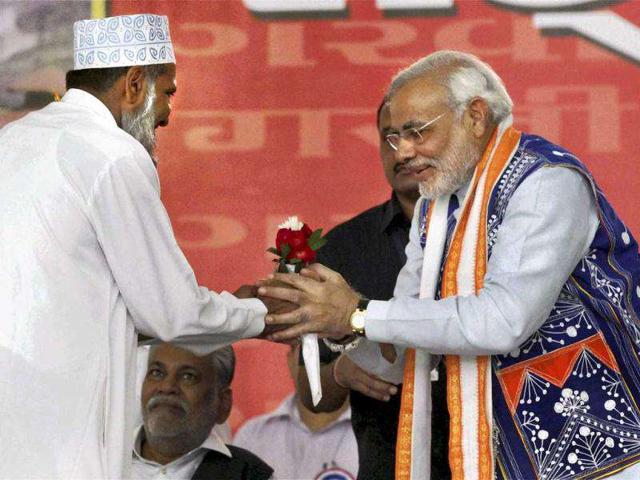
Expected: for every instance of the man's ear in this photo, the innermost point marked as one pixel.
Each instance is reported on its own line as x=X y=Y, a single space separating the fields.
x=224 y=405
x=135 y=81
x=478 y=116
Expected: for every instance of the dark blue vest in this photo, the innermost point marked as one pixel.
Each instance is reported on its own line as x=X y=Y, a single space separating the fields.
x=575 y=413
x=566 y=401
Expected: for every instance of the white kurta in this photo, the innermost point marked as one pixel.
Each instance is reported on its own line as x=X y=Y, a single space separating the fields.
x=88 y=257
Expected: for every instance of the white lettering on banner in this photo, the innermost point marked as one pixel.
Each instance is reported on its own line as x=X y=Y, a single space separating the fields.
x=225 y=39
x=286 y=43
x=605 y=28
x=414 y=4
x=279 y=6
x=245 y=130
x=539 y=4
x=272 y=6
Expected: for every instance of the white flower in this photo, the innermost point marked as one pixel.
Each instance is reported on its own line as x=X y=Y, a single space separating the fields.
x=292 y=223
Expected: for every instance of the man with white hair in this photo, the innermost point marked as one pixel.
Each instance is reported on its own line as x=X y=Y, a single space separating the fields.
x=519 y=273
x=89 y=259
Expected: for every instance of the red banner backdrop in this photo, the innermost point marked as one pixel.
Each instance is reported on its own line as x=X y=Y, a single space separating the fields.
x=275 y=116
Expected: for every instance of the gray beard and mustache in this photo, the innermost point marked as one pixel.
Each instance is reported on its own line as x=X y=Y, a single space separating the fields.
x=141 y=123
x=175 y=432
x=454 y=167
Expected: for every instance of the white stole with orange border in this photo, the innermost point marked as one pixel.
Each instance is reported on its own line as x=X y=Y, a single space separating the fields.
x=468 y=377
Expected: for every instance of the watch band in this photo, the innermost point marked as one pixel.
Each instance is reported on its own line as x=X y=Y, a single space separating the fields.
x=357 y=317
x=351 y=342
x=363 y=303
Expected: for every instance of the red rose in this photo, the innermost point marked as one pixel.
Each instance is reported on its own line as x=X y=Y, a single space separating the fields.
x=305 y=254
x=307 y=231
x=297 y=240
x=283 y=236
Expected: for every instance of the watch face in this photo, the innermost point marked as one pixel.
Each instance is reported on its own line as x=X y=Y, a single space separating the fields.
x=357 y=320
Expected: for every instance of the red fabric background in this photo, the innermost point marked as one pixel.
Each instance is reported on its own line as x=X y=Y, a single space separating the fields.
x=276 y=117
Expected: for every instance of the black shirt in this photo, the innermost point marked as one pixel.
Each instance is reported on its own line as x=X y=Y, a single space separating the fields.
x=368 y=251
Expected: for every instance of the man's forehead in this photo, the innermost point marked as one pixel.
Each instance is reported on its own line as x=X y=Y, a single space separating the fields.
x=170 y=355
x=418 y=99
x=170 y=72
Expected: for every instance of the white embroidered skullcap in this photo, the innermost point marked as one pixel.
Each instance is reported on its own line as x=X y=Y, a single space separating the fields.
x=122 y=41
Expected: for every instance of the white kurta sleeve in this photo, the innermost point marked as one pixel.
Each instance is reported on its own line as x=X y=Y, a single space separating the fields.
x=152 y=274
x=548 y=227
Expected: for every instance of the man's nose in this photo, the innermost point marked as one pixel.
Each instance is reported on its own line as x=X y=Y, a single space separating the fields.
x=406 y=150
x=169 y=384
x=163 y=122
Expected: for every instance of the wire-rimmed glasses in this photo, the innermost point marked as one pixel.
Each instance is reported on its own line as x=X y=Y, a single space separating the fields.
x=413 y=134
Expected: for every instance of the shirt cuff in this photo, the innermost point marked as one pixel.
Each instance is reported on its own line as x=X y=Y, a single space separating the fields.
x=375 y=324
x=256 y=311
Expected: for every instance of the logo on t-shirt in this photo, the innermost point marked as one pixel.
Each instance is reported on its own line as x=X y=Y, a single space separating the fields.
x=334 y=473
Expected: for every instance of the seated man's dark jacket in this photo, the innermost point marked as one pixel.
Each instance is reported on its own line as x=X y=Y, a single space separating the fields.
x=243 y=465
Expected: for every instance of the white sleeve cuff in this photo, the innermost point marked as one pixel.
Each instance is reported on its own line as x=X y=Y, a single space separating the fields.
x=375 y=325
x=256 y=311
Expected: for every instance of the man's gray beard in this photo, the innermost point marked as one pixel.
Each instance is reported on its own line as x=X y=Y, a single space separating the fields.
x=176 y=436
x=141 y=123
x=454 y=167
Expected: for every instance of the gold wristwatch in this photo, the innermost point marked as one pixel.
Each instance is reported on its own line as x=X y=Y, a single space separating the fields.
x=358 y=317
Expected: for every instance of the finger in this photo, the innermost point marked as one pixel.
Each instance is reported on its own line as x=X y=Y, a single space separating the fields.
x=288 y=318
x=312 y=274
x=371 y=389
x=291 y=343
x=297 y=281
x=288 y=294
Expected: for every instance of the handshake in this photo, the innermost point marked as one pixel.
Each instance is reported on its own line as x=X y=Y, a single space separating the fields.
x=318 y=300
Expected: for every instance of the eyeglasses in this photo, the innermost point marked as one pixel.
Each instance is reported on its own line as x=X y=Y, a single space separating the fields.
x=413 y=135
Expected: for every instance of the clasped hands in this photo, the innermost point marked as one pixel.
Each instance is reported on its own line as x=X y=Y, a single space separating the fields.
x=318 y=300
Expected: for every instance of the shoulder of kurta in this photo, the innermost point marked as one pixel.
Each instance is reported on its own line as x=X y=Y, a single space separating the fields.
x=85 y=153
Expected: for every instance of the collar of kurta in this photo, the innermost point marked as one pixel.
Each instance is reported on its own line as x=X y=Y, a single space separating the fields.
x=84 y=99
x=97 y=109
x=213 y=442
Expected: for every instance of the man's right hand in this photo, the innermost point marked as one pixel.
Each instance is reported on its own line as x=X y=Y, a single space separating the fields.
x=276 y=306
x=349 y=375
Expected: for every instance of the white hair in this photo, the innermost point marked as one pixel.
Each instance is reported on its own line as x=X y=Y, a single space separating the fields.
x=464 y=76
x=141 y=123
x=224 y=364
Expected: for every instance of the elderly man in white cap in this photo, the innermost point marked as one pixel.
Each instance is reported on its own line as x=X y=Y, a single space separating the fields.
x=89 y=258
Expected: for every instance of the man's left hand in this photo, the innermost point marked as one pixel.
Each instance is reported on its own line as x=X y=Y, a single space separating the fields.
x=325 y=299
